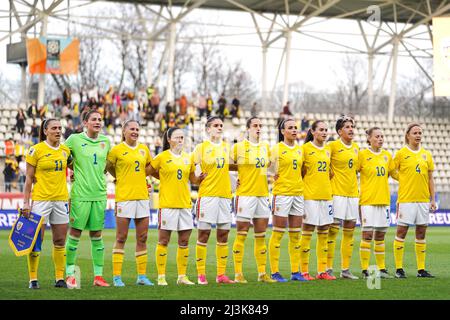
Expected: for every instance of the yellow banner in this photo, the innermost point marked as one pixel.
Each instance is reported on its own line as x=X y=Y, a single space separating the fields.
x=441 y=52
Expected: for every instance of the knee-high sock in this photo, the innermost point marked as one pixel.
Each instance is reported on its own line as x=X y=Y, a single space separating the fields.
x=141 y=262
x=380 y=254
x=322 y=250
x=305 y=248
x=71 y=254
x=33 y=264
x=274 y=248
x=161 y=259
x=346 y=248
x=364 y=253
x=221 y=257
x=421 y=248
x=294 y=249
x=59 y=260
x=331 y=244
x=98 y=255
x=200 y=255
x=182 y=260
x=117 y=260
x=260 y=250
x=399 y=249
x=238 y=250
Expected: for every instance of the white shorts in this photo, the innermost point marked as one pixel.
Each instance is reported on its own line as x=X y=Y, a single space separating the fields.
x=175 y=219
x=345 y=208
x=283 y=206
x=413 y=213
x=248 y=208
x=57 y=212
x=134 y=209
x=214 y=210
x=375 y=216
x=318 y=212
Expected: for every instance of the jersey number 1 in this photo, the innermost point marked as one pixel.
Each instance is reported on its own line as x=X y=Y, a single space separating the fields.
x=58 y=168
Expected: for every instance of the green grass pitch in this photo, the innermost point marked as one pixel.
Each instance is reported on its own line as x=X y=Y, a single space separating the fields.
x=14 y=275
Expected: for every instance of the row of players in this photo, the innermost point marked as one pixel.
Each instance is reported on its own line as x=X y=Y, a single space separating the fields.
x=316 y=185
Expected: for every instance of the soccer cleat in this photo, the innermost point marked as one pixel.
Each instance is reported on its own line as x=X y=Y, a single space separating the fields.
x=34 y=284
x=278 y=277
x=365 y=274
x=384 y=274
x=71 y=282
x=239 y=278
x=400 y=274
x=100 y=282
x=162 y=280
x=325 y=276
x=296 y=276
x=184 y=280
x=346 y=274
x=265 y=278
x=201 y=279
x=223 y=279
x=117 y=281
x=60 y=284
x=330 y=272
x=424 y=274
x=307 y=277
x=142 y=280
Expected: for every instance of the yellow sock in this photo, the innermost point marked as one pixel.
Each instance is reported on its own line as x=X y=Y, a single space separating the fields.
x=294 y=249
x=141 y=262
x=200 y=257
x=182 y=260
x=59 y=260
x=238 y=250
x=346 y=248
x=222 y=257
x=305 y=245
x=322 y=250
x=421 y=248
x=274 y=248
x=331 y=244
x=161 y=259
x=260 y=251
x=399 y=249
x=364 y=253
x=33 y=264
x=117 y=260
x=380 y=254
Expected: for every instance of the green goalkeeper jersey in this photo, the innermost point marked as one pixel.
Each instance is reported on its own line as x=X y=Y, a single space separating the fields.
x=89 y=162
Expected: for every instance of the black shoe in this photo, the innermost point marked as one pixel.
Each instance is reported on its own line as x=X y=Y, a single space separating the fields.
x=365 y=274
x=424 y=274
x=60 y=284
x=34 y=284
x=400 y=274
x=384 y=274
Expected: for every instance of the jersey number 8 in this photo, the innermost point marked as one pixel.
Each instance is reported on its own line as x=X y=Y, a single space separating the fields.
x=179 y=174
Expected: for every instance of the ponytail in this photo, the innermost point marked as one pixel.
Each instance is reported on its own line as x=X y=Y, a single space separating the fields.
x=309 y=135
x=125 y=125
x=167 y=135
x=44 y=126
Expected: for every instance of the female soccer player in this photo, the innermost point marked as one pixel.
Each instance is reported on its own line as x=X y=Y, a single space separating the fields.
x=175 y=170
x=46 y=169
x=318 y=196
x=375 y=165
x=88 y=195
x=213 y=205
x=287 y=202
x=344 y=185
x=415 y=197
x=252 y=199
x=127 y=162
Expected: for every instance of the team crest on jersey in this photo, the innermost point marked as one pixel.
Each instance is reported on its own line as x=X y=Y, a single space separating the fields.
x=277 y=209
x=328 y=153
x=299 y=152
x=64 y=154
x=102 y=145
x=72 y=220
x=19 y=225
x=356 y=151
x=385 y=159
x=31 y=152
x=142 y=152
x=240 y=210
x=202 y=215
x=164 y=222
x=400 y=216
x=424 y=156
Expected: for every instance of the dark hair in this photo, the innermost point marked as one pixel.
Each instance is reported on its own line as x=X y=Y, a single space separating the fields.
x=167 y=135
x=369 y=133
x=211 y=119
x=249 y=121
x=125 y=124
x=340 y=123
x=44 y=126
x=87 y=115
x=282 y=126
x=408 y=129
x=309 y=135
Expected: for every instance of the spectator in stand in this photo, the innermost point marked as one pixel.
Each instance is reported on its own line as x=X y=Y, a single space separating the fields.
x=69 y=130
x=33 y=110
x=43 y=112
x=76 y=115
x=254 y=110
x=158 y=145
x=155 y=101
x=9 y=147
x=20 y=121
x=66 y=97
x=235 y=109
x=305 y=124
x=34 y=133
x=286 y=109
x=209 y=105
x=222 y=104
x=9 y=172
x=19 y=149
x=202 y=105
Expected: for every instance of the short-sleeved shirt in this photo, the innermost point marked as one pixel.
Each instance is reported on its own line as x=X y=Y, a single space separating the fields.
x=413 y=168
x=316 y=161
x=344 y=164
x=89 y=162
x=129 y=163
x=288 y=162
x=174 y=171
x=50 y=172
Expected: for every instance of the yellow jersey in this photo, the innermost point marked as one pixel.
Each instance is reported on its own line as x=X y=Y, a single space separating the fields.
x=375 y=169
x=413 y=168
x=288 y=163
x=252 y=160
x=174 y=171
x=344 y=165
x=50 y=174
x=214 y=159
x=316 y=161
x=129 y=163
